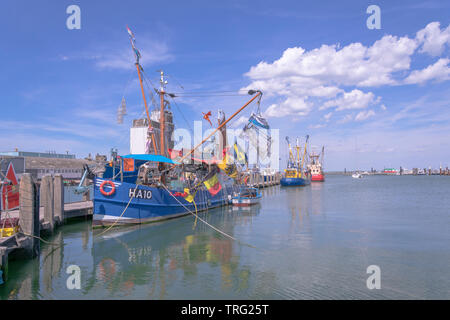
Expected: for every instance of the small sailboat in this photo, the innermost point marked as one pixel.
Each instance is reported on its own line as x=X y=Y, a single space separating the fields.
x=246 y=197
x=294 y=175
x=357 y=175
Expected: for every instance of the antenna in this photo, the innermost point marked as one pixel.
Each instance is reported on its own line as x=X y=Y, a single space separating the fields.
x=162 y=82
x=162 y=125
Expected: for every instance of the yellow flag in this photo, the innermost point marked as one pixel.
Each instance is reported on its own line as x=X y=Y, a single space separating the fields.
x=240 y=156
x=188 y=197
x=222 y=165
x=213 y=185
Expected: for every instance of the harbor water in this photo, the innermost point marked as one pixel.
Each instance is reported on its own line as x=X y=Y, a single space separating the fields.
x=314 y=242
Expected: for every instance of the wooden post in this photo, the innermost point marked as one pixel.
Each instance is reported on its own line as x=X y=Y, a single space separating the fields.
x=3 y=265
x=58 y=198
x=87 y=195
x=29 y=215
x=47 y=201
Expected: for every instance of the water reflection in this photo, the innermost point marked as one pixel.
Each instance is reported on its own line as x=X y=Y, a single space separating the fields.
x=317 y=197
x=25 y=279
x=52 y=259
x=305 y=247
x=161 y=254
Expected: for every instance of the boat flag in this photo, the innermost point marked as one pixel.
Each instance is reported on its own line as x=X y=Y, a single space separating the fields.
x=131 y=34
x=259 y=121
x=137 y=53
x=229 y=169
x=10 y=189
x=212 y=183
x=223 y=164
x=239 y=154
x=128 y=165
x=206 y=117
x=186 y=195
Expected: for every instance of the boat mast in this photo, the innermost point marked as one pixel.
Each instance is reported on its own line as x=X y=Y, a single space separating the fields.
x=250 y=92
x=304 y=156
x=291 y=159
x=161 y=116
x=138 y=67
x=321 y=157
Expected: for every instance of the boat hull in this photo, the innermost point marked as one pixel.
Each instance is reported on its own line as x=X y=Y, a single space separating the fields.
x=245 y=202
x=318 y=178
x=294 y=182
x=131 y=205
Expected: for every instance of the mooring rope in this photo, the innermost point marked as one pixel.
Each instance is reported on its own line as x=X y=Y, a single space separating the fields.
x=220 y=231
x=37 y=237
x=188 y=210
x=126 y=207
x=196 y=215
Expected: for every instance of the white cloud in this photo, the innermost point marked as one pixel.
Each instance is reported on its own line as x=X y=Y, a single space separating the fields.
x=292 y=106
x=301 y=79
x=242 y=120
x=364 y=115
x=346 y=118
x=328 y=116
x=433 y=40
x=317 y=126
x=439 y=71
x=354 y=64
x=355 y=99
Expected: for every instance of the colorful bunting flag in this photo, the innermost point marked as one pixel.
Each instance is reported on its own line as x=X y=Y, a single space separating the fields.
x=186 y=195
x=206 y=117
x=229 y=169
x=213 y=184
x=239 y=155
x=130 y=33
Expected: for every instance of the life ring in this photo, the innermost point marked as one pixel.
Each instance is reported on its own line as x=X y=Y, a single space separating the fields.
x=110 y=192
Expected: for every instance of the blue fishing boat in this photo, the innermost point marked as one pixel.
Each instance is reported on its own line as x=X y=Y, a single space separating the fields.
x=142 y=204
x=294 y=175
x=294 y=182
x=151 y=184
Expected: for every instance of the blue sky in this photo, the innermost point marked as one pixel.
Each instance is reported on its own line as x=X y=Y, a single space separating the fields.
x=383 y=93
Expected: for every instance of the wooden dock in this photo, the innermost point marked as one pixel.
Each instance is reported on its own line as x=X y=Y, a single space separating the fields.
x=71 y=210
x=41 y=210
x=257 y=180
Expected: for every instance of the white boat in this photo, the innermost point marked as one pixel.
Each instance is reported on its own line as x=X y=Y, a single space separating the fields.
x=357 y=175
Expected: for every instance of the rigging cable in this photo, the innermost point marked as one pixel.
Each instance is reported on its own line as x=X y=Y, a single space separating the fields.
x=208 y=224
